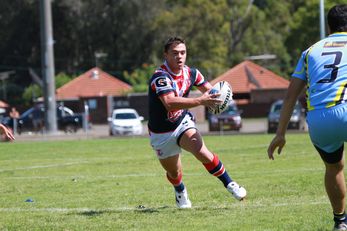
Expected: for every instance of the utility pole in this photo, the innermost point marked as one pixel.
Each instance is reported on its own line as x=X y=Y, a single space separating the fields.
x=322 y=19
x=47 y=64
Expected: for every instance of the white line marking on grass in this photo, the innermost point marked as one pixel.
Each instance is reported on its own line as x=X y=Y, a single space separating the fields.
x=122 y=209
x=242 y=174
x=64 y=210
x=85 y=177
x=43 y=166
x=99 y=177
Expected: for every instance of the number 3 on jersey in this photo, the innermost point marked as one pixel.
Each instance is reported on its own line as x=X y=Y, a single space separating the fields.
x=335 y=68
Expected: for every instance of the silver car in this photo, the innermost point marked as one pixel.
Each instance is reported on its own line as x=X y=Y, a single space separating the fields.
x=125 y=121
x=297 y=120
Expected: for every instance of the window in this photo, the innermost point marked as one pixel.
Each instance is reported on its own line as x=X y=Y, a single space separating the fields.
x=92 y=103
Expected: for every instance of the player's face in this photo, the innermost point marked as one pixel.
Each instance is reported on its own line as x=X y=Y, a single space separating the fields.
x=176 y=57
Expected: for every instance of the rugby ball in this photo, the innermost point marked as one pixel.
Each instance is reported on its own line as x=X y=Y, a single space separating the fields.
x=226 y=95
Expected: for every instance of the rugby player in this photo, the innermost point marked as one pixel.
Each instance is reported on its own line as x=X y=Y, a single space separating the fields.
x=322 y=68
x=171 y=126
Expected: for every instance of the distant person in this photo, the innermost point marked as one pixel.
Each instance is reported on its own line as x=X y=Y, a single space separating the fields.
x=37 y=118
x=322 y=68
x=171 y=125
x=14 y=114
x=6 y=133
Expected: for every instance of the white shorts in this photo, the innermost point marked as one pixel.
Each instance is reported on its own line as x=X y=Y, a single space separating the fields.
x=166 y=144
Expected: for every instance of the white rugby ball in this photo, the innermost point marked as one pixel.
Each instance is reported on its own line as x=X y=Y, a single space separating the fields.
x=226 y=95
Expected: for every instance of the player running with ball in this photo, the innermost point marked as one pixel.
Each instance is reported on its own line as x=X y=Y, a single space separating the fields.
x=171 y=126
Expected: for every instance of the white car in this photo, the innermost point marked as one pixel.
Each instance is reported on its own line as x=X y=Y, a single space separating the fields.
x=125 y=121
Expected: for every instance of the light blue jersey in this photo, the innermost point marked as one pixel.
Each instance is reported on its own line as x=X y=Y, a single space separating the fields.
x=324 y=67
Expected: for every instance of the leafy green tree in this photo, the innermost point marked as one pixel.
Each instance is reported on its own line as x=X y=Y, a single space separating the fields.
x=139 y=77
x=34 y=91
x=120 y=36
x=62 y=78
x=119 y=29
x=30 y=94
x=305 y=25
x=204 y=25
x=256 y=30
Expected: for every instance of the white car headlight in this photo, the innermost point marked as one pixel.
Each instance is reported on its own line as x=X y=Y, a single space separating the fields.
x=237 y=119
x=294 y=118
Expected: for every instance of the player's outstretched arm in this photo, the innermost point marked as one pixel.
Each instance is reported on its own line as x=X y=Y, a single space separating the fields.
x=8 y=134
x=295 y=88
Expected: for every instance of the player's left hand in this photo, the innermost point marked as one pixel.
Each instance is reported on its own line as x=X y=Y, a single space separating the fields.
x=277 y=142
x=210 y=100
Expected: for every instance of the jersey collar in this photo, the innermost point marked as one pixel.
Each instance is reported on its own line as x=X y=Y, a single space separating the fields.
x=169 y=70
x=338 y=34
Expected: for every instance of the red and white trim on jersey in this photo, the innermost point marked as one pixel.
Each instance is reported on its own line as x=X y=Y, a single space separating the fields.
x=164 y=82
x=182 y=81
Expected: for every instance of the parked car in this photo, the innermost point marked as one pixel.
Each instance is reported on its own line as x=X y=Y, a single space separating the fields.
x=125 y=121
x=228 y=120
x=67 y=120
x=297 y=120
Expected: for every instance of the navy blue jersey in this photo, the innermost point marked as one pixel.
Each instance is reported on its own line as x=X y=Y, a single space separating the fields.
x=164 y=82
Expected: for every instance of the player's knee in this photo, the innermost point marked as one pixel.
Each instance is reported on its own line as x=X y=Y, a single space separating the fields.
x=174 y=174
x=335 y=167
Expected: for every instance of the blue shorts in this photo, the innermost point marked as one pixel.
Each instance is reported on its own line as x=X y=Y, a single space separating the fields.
x=328 y=127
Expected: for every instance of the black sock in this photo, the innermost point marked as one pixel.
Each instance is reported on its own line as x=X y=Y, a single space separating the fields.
x=179 y=188
x=340 y=217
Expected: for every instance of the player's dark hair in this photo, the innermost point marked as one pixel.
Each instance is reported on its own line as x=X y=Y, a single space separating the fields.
x=337 y=18
x=171 y=41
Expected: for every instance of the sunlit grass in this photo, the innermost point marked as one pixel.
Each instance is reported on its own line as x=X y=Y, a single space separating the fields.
x=118 y=184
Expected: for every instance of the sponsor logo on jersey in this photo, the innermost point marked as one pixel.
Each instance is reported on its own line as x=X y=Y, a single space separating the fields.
x=335 y=44
x=174 y=115
x=161 y=82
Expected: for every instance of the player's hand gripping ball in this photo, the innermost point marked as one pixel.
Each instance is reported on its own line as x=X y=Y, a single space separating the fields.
x=226 y=95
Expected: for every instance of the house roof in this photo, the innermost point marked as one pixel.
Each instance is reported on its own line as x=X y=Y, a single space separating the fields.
x=94 y=82
x=247 y=76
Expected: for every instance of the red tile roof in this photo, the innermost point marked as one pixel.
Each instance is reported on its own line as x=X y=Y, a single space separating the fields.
x=94 y=82
x=247 y=76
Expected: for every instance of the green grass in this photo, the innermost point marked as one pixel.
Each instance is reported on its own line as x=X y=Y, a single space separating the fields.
x=118 y=184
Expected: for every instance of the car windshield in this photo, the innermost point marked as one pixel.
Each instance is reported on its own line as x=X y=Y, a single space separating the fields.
x=232 y=109
x=277 y=108
x=125 y=116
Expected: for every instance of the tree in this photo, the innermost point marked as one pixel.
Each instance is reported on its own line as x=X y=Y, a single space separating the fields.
x=121 y=29
x=34 y=91
x=255 y=30
x=139 y=77
x=131 y=33
x=203 y=24
x=305 y=27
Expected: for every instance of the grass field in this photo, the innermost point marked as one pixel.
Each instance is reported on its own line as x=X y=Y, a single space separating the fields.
x=118 y=184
